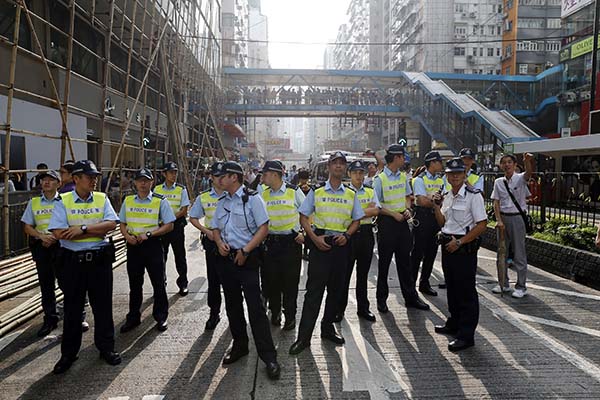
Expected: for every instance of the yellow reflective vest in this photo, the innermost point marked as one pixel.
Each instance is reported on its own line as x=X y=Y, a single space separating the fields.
x=142 y=217
x=333 y=212
x=172 y=196
x=85 y=213
x=283 y=215
x=209 y=204
x=41 y=214
x=394 y=192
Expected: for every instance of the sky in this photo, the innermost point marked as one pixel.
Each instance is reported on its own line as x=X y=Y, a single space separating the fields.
x=302 y=21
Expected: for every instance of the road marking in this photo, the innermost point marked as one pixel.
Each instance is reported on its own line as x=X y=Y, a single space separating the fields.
x=8 y=339
x=364 y=368
x=153 y=397
x=487 y=258
x=202 y=291
x=557 y=324
x=565 y=292
x=119 y=398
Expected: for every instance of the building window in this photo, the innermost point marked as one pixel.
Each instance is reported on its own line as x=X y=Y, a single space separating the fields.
x=459 y=71
x=552 y=46
x=498 y=52
x=523 y=69
x=490 y=52
x=491 y=30
x=553 y=23
x=461 y=7
x=481 y=52
x=474 y=51
x=508 y=25
x=532 y=23
x=508 y=50
x=556 y=3
x=459 y=51
x=532 y=2
x=460 y=30
x=507 y=71
x=529 y=46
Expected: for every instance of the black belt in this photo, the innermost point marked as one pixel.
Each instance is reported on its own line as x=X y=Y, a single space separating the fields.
x=281 y=238
x=321 y=232
x=87 y=256
x=510 y=214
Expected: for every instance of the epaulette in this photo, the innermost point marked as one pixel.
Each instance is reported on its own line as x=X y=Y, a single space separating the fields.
x=180 y=185
x=471 y=189
x=58 y=197
x=316 y=186
x=205 y=191
x=421 y=175
x=250 y=192
x=223 y=195
x=159 y=196
x=368 y=185
x=291 y=186
x=347 y=186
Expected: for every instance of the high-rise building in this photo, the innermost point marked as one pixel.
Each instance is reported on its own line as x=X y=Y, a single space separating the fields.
x=531 y=35
x=258 y=33
x=235 y=15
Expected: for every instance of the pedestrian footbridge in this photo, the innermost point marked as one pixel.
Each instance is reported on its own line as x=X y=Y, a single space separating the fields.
x=461 y=110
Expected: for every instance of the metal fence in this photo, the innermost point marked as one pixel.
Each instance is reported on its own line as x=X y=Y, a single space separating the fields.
x=574 y=196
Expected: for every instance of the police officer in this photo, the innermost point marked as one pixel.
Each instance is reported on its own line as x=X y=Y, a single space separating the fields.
x=140 y=223
x=361 y=243
x=463 y=218
x=337 y=214
x=205 y=206
x=283 y=256
x=473 y=179
x=240 y=225
x=425 y=185
x=44 y=245
x=179 y=200
x=81 y=221
x=393 y=235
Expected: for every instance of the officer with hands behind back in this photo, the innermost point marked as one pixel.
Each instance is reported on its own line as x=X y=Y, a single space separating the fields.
x=337 y=213
x=240 y=225
x=81 y=221
x=205 y=206
x=178 y=198
x=140 y=223
x=463 y=219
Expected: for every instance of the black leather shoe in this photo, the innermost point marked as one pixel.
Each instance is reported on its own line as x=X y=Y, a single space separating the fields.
x=162 y=326
x=129 y=326
x=212 y=322
x=367 y=315
x=445 y=330
x=338 y=318
x=418 y=304
x=233 y=355
x=47 y=328
x=290 y=324
x=382 y=308
x=298 y=346
x=459 y=344
x=111 y=357
x=333 y=336
x=428 y=290
x=63 y=364
x=183 y=291
x=85 y=326
x=276 y=319
x=273 y=370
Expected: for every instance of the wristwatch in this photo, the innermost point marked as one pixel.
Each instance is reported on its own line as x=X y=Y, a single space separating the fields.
x=84 y=228
x=244 y=252
x=346 y=235
x=148 y=234
x=458 y=242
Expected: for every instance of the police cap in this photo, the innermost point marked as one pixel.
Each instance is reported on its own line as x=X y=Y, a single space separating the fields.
x=433 y=156
x=274 y=166
x=228 y=167
x=467 y=152
x=455 y=165
x=51 y=173
x=144 y=173
x=86 y=167
x=170 y=166
x=357 y=165
x=338 y=154
x=395 y=149
x=216 y=167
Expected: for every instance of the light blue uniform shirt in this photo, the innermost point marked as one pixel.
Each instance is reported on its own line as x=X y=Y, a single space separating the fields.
x=185 y=199
x=419 y=185
x=237 y=221
x=28 y=217
x=298 y=200
x=392 y=177
x=197 y=209
x=308 y=206
x=165 y=213
x=362 y=190
x=59 y=221
x=479 y=184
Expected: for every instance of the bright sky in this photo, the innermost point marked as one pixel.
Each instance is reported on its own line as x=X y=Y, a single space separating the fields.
x=302 y=21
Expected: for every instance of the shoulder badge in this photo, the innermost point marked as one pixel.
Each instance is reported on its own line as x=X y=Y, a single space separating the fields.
x=251 y=192
x=316 y=186
x=368 y=185
x=291 y=186
x=347 y=186
x=160 y=196
x=471 y=189
x=205 y=191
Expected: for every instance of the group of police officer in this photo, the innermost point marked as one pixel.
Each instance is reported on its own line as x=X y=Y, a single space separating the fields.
x=253 y=248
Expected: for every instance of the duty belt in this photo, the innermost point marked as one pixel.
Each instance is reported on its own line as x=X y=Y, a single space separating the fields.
x=271 y=238
x=87 y=256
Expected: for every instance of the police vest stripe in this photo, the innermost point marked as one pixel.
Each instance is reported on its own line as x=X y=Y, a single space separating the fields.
x=431 y=185
x=283 y=215
x=42 y=213
x=365 y=199
x=333 y=212
x=85 y=213
x=173 y=196
x=394 y=192
x=141 y=218
x=209 y=204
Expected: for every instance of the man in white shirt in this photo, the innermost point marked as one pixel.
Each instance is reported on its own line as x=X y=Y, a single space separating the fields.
x=510 y=220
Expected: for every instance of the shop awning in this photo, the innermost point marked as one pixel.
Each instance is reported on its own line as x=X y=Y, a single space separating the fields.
x=234 y=130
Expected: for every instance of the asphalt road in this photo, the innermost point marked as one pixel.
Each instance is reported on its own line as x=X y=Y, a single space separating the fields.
x=543 y=346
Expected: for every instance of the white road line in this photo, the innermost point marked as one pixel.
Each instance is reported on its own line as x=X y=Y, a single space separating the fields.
x=487 y=258
x=557 y=324
x=202 y=291
x=119 y=398
x=8 y=339
x=154 y=397
x=565 y=292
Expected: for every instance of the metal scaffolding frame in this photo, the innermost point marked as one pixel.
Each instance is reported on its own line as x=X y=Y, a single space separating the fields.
x=180 y=84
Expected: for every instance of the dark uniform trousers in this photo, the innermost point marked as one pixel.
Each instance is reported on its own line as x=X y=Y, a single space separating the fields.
x=45 y=264
x=211 y=253
x=326 y=269
x=176 y=239
x=239 y=283
x=463 y=302
x=394 y=239
x=281 y=273
x=88 y=272
x=361 y=253
x=425 y=245
x=147 y=256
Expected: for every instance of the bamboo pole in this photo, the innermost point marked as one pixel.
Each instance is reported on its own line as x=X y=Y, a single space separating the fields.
x=65 y=132
x=9 y=103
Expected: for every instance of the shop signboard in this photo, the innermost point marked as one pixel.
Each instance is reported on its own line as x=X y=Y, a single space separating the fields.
x=571 y=6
